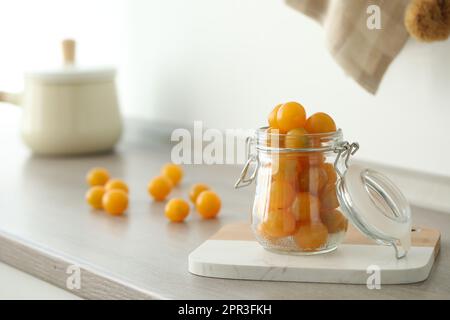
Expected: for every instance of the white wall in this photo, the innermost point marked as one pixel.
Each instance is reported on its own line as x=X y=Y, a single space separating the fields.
x=229 y=62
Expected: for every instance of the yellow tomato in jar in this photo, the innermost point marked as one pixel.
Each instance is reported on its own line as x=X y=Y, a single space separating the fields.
x=290 y=116
x=311 y=237
x=278 y=223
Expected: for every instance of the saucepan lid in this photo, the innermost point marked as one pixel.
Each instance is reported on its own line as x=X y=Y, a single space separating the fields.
x=70 y=72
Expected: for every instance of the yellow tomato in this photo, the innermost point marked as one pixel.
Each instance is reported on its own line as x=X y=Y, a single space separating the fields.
x=196 y=189
x=177 y=210
x=311 y=237
x=306 y=207
x=328 y=198
x=273 y=117
x=94 y=197
x=320 y=123
x=282 y=194
x=312 y=179
x=116 y=184
x=278 y=223
x=97 y=177
x=331 y=173
x=296 y=139
x=159 y=188
x=208 y=204
x=172 y=171
x=290 y=116
x=115 y=202
x=334 y=220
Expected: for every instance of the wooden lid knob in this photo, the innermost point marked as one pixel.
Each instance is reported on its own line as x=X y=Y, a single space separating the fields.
x=68 y=47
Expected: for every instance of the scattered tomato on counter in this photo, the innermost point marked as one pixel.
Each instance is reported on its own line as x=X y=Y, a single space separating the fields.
x=94 y=197
x=97 y=177
x=111 y=195
x=208 y=204
x=196 y=189
x=177 y=210
x=159 y=188
x=173 y=172
x=115 y=202
x=114 y=184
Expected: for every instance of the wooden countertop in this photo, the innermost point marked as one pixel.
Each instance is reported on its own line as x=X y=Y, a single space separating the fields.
x=42 y=204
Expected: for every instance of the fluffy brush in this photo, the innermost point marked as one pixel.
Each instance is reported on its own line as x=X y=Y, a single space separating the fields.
x=428 y=20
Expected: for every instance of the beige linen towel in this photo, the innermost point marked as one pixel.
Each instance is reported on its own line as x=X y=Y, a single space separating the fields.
x=364 y=54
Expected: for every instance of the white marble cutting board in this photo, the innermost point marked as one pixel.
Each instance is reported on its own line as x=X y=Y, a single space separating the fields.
x=233 y=253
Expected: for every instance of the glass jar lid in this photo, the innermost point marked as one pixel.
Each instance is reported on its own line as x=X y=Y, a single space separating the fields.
x=373 y=203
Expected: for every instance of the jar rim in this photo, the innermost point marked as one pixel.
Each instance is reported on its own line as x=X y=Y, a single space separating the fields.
x=313 y=142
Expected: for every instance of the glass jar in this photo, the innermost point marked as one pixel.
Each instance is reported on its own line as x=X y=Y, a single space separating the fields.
x=301 y=185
